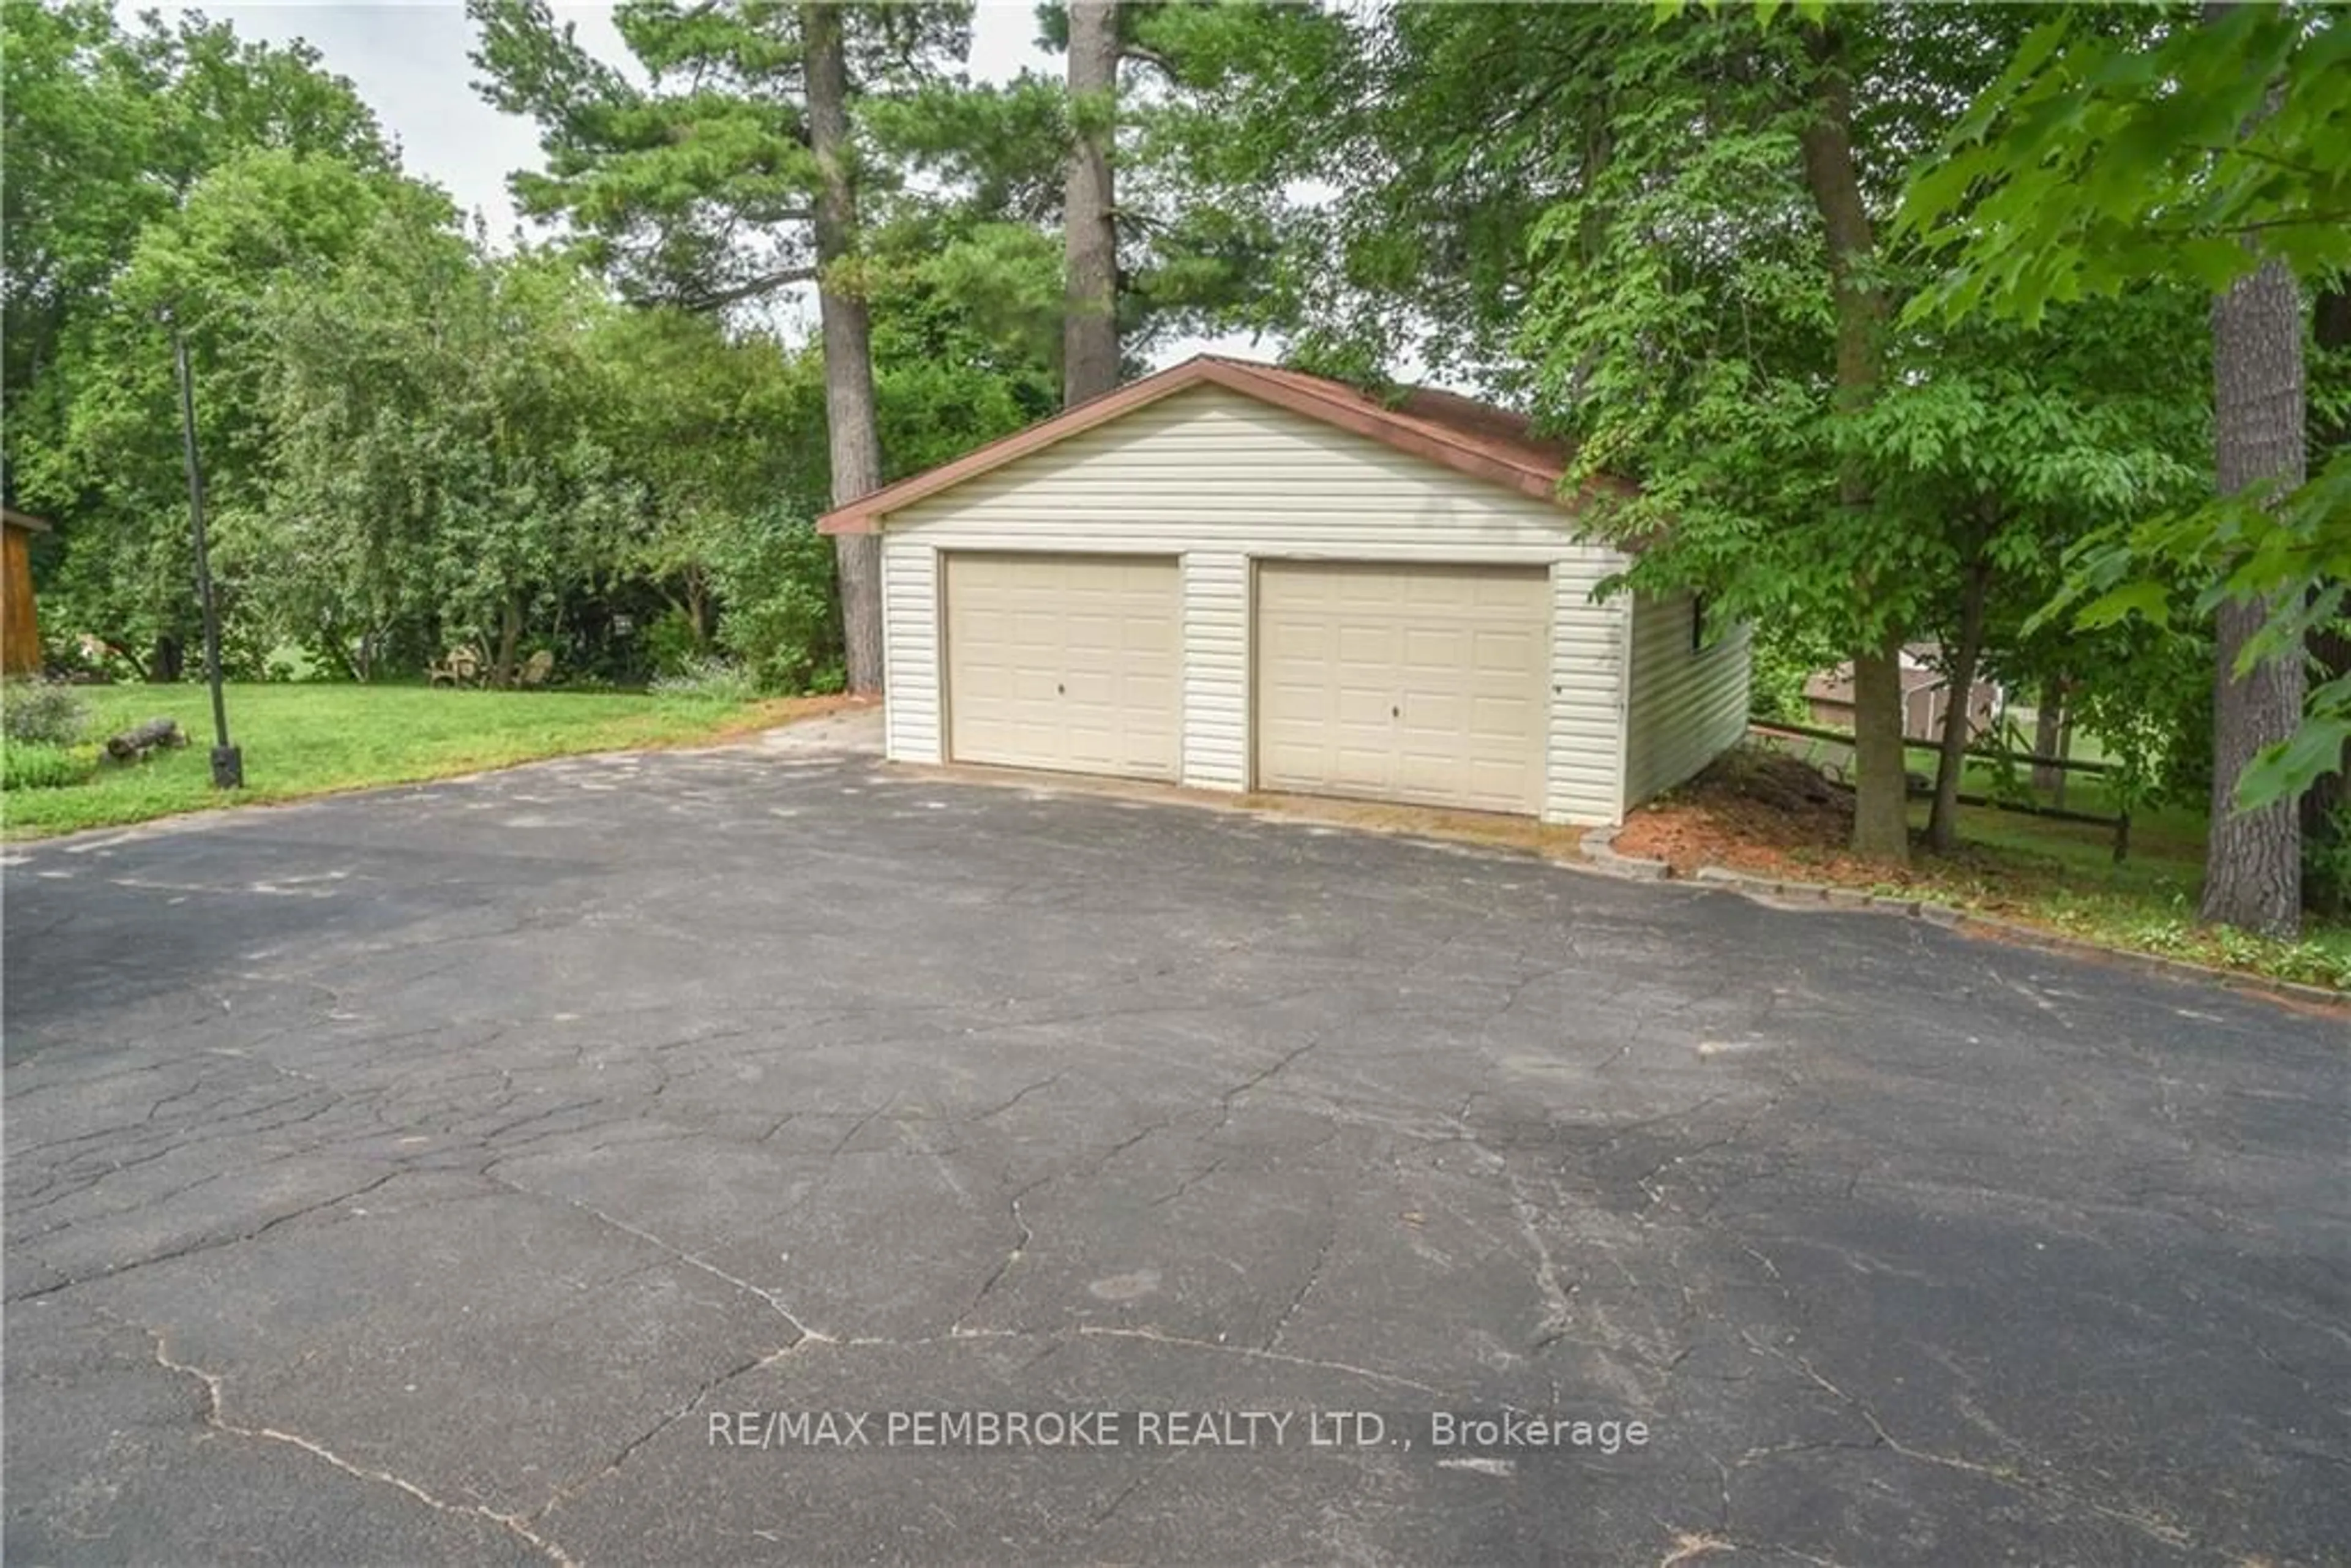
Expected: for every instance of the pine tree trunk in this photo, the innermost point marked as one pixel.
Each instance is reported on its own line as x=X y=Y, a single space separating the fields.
x=2253 y=861
x=1943 y=822
x=1881 y=829
x=1090 y=304
x=850 y=421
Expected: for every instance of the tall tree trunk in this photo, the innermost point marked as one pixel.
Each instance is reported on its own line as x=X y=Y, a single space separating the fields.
x=2253 y=861
x=1943 y=822
x=509 y=644
x=1881 y=823
x=2049 y=737
x=851 y=422
x=697 y=609
x=170 y=662
x=2323 y=823
x=1090 y=301
x=1881 y=797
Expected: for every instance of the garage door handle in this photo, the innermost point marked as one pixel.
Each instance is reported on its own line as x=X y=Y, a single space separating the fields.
x=1060 y=690
x=1395 y=712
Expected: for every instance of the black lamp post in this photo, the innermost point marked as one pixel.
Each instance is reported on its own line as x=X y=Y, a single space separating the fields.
x=228 y=765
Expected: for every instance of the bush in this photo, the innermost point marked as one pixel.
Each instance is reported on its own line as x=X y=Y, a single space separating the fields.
x=669 y=643
x=709 y=680
x=31 y=766
x=1781 y=663
x=776 y=579
x=2327 y=866
x=42 y=713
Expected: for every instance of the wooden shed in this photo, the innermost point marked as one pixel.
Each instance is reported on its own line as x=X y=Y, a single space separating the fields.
x=20 y=627
x=1238 y=577
x=1926 y=698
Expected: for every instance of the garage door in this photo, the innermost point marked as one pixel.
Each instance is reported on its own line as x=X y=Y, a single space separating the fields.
x=1065 y=662
x=1403 y=683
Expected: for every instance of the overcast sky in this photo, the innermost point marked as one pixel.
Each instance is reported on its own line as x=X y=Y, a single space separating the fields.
x=407 y=58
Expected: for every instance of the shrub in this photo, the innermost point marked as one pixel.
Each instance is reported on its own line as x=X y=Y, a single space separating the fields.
x=1781 y=663
x=708 y=680
x=2326 y=865
x=42 y=713
x=31 y=766
x=669 y=643
x=776 y=579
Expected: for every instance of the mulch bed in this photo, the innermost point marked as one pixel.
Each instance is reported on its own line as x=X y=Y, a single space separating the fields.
x=1760 y=810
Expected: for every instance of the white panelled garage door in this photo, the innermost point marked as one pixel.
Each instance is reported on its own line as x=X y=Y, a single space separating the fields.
x=1066 y=662
x=1424 y=683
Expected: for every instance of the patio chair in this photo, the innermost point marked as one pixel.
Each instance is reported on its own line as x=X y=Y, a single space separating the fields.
x=461 y=667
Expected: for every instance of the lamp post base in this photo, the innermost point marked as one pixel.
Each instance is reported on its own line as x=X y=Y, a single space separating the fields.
x=228 y=768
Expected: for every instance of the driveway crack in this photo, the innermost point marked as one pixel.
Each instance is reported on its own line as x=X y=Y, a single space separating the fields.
x=215 y=1417
x=2154 y=1528
x=773 y=1301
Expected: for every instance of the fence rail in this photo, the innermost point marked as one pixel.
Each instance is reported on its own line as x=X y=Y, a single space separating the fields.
x=1988 y=753
x=2120 y=823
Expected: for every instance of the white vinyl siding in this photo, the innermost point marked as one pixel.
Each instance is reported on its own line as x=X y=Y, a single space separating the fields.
x=1219 y=479
x=1688 y=706
x=910 y=651
x=1583 y=778
x=1216 y=669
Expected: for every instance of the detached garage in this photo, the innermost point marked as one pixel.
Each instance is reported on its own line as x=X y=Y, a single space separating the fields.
x=1236 y=577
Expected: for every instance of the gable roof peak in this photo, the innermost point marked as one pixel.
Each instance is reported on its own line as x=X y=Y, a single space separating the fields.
x=1480 y=439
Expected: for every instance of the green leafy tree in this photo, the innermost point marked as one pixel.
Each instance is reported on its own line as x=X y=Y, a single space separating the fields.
x=441 y=456
x=2018 y=443
x=106 y=129
x=1671 y=239
x=107 y=459
x=734 y=172
x=2112 y=152
x=169 y=165
x=720 y=431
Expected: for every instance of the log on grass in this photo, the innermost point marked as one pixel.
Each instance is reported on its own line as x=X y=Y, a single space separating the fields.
x=133 y=743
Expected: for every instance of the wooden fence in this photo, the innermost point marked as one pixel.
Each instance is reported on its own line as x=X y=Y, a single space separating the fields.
x=2119 y=823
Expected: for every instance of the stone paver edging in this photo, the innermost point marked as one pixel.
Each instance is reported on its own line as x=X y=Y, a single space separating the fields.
x=1600 y=848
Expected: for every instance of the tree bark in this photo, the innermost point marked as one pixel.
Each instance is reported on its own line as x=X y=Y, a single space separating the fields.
x=1943 y=821
x=1090 y=229
x=1881 y=823
x=2323 y=823
x=1881 y=793
x=509 y=644
x=2253 y=861
x=2049 y=735
x=851 y=426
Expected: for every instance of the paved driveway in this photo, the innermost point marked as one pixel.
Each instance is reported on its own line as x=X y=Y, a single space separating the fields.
x=412 y=1177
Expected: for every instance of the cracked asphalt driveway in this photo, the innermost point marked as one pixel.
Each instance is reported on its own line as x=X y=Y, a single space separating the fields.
x=410 y=1177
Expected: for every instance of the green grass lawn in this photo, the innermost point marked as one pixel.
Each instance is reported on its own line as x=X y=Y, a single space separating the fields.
x=2063 y=876
x=301 y=740
x=2059 y=875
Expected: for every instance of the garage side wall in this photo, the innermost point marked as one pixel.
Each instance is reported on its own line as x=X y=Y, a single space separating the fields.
x=1689 y=703
x=910 y=652
x=1222 y=480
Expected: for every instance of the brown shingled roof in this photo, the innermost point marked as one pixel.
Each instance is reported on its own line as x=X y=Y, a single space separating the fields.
x=1459 y=432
